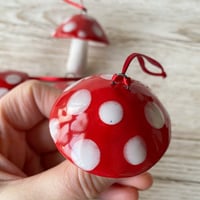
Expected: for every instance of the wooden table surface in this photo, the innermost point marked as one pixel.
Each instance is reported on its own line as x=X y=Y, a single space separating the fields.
x=168 y=30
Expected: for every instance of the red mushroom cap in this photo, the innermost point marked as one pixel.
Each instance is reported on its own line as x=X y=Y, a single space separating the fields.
x=9 y=79
x=109 y=130
x=4 y=88
x=83 y=27
x=112 y=126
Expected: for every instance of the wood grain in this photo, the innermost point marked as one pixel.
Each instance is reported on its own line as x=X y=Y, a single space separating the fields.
x=168 y=30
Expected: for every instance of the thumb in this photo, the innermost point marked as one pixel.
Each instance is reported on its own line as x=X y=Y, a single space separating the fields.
x=63 y=182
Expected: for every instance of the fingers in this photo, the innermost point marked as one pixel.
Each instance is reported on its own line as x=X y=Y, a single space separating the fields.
x=63 y=182
x=40 y=139
x=8 y=177
x=141 y=182
x=25 y=109
x=8 y=170
x=67 y=182
x=117 y=192
x=127 y=188
x=52 y=159
x=26 y=105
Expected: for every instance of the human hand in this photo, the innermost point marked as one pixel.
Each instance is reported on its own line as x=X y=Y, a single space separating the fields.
x=30 y=166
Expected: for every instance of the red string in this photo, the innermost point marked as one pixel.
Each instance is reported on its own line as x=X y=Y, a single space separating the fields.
x=128 y=61
x=77 y=5
x=141 y=61
x=54 y=79
x=123 y=79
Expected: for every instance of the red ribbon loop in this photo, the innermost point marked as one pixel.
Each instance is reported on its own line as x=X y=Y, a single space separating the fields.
x=121 y=78
x=140 y=58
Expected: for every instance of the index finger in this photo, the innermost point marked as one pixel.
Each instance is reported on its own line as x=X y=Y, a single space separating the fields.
x=28 y=104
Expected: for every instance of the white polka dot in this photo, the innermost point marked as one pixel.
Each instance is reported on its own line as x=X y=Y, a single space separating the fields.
x=154 y=115
x=69 y=27
x=82 y=34
x=97 y=31
x=54 y=128
x=79 y=102
x=106 y=76
x=13 y=79
x=3 y=91
x=135 y=151
x=111 y=112
x=85 y=154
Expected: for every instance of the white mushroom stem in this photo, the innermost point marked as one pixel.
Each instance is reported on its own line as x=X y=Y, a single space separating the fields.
x=77 y=57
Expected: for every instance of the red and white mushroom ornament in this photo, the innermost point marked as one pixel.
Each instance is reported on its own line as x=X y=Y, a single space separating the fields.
x=9 y=79
x=81 y=28
x=111 y=125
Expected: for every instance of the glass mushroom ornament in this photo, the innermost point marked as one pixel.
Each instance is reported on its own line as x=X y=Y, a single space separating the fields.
x=81 y=28
x=111 y=125
x=10 y=79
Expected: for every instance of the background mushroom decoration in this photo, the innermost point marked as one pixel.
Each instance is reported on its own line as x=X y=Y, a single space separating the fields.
x=81 y=28
x=111 y=125
x=11 y=78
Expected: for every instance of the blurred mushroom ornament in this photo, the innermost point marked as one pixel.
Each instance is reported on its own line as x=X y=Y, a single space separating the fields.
x=11 y=78
x=81 y=28
x=111 y=125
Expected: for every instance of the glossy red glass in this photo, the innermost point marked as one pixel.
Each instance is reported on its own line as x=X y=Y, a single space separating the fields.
x=110 y=125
